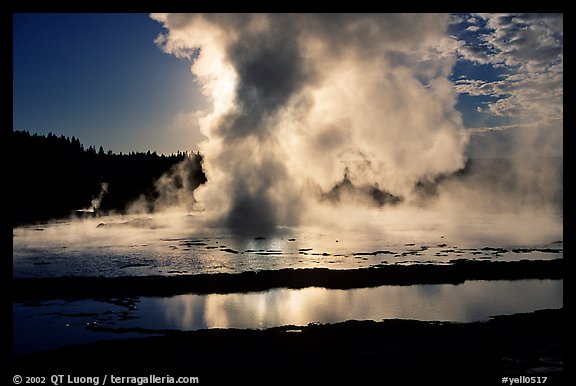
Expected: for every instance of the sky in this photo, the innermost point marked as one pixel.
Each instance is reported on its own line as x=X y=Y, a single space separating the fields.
x=102 y=79
x=127 y=82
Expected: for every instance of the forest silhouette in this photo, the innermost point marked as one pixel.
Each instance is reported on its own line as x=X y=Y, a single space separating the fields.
x=55 y=177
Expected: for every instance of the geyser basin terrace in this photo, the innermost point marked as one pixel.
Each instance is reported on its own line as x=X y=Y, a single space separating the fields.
x=176 y=244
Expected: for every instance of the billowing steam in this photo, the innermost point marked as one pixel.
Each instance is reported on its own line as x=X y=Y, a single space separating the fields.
x=360 y=111
x=303 y=103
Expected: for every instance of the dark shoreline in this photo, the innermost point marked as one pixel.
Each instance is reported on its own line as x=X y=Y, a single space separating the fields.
x=456 y=272
x=525 y=344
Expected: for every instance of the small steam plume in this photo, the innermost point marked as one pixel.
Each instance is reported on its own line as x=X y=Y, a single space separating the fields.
x=307 y=106
x=174 y=190
x=96 y=201
x=95 y=204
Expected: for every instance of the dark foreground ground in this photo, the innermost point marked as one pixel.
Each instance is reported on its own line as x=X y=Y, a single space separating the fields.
x=458 y=271
x=529 y=344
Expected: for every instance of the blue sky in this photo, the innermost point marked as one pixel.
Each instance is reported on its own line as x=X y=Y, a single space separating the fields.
x=103 y=79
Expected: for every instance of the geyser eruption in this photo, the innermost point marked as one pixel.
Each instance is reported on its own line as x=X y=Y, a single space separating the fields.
x=301 y=103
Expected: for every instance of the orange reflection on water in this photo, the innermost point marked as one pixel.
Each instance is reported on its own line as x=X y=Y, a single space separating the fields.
x=470 y=301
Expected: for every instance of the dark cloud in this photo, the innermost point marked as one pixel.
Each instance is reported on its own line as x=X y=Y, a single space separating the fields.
x=270 y=72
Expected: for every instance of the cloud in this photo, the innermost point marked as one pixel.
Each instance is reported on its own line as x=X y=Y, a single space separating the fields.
x=530 y=41
x=476 y=130
x=529 y=51
x=526 y=51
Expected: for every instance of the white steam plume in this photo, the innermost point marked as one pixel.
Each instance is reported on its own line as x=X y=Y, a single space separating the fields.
x=96 y=201
x=297 y=100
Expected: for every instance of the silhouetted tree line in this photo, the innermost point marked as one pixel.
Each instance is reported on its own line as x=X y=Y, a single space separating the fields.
x=53 y=176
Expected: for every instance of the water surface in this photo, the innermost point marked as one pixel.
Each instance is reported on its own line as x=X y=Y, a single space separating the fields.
x=58 y=322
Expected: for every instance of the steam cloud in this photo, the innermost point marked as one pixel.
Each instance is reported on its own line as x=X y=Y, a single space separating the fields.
x=299 y=99
x=305 y=104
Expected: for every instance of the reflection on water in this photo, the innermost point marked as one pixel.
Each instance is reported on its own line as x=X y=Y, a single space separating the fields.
x=57 y=323
x=470 y=301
